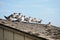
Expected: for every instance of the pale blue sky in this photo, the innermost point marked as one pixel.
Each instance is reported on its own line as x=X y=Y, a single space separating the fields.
x=48 y=10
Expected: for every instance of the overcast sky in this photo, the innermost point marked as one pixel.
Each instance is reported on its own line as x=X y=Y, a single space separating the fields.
x=48 y=10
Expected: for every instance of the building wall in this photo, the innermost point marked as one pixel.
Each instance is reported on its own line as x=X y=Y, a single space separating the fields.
x=1 y=34
x=6 y=34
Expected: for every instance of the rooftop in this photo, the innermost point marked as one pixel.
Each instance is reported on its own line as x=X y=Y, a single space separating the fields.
x=39 y=30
